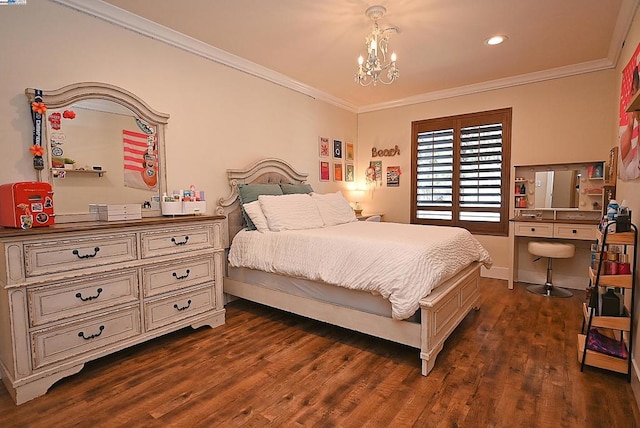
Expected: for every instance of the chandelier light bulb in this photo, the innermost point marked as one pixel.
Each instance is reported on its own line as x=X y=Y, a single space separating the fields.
x=377 y=67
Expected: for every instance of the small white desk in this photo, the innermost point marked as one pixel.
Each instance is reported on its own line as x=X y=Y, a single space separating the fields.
x=569 y=273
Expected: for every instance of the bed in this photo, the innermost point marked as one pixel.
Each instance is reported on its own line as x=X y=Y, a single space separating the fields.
x=337 y=295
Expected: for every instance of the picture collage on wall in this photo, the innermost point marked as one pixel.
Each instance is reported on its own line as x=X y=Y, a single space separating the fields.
x=336 y=160
x=374 y=175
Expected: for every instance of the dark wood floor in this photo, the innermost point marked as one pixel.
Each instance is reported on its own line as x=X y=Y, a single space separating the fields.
x=511 y=364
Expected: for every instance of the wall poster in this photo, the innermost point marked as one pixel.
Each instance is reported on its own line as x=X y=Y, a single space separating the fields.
x=324 y=171
x=349 y=175
x=337 y=149
x=337 y=171
x=324 y=147
x=393 y=176
x=628 y=156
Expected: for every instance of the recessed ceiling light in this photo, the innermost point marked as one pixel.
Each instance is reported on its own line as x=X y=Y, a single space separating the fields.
x=496 y=40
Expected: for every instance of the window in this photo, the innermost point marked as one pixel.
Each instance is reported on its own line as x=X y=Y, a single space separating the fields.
x=460 y=171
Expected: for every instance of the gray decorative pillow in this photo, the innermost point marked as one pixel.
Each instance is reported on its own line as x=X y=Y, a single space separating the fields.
x=289 y=189
x=249 y=193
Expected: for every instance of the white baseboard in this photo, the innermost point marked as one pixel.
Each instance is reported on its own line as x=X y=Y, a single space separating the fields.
x=495 y=272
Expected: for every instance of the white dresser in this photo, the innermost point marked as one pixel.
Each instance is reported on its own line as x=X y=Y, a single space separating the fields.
x=72 y=293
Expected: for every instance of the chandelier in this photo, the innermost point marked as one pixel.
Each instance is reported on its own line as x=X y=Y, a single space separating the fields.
x=376 y=69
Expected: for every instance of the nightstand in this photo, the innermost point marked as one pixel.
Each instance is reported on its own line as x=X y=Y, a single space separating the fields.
x=370 y=217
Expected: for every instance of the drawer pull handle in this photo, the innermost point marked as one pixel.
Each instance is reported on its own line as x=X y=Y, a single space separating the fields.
x=183 y=307
x=533 y=229
x=87 y=256
x=181 y=277
x=574 y=231
x=86 y=299
x=186 y=238
x=93 y=336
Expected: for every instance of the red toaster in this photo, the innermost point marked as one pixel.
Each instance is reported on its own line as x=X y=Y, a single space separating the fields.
x=26 y=204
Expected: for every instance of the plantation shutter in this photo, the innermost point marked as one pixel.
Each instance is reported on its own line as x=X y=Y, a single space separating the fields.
x=435 y=175
x=460 y=168
x=481 y=172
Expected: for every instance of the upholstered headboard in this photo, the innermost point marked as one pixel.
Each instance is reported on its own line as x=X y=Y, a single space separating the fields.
x=265 y=171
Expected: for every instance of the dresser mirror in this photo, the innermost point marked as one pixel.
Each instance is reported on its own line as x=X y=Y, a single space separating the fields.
x=103 y=145
x=557 y=189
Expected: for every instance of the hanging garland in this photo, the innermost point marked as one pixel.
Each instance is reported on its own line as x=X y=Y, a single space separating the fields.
x=38 y=109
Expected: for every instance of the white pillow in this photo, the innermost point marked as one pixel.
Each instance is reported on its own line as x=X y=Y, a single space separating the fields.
x=334 y=208
x=254 y=211
x=290 y=212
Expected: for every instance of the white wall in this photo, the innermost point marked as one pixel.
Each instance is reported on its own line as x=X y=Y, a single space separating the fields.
x=630 y=190
x=556 y=121
x=220 y=118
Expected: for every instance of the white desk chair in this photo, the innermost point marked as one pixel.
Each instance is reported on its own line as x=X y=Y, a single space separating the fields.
x=551 y=250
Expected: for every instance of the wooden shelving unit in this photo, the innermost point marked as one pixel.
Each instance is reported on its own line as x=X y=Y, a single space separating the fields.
x=617 y=328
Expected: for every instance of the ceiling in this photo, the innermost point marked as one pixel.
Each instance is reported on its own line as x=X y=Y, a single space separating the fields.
x=440 y=43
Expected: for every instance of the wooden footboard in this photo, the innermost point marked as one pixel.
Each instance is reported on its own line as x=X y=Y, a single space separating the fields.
x=444 y=309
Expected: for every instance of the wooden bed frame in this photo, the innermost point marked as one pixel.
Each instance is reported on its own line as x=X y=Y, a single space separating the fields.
x=441 y=311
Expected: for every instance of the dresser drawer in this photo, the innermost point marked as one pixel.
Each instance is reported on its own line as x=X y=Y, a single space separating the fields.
x=544 y=230
x=70 y=298
x=176 y=240
x=178 y=275
x=168 y=310
x=575 y=231
x=73 y=340
x=63 y=255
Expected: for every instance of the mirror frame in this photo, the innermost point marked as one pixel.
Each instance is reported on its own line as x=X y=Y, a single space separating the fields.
x=75 y=92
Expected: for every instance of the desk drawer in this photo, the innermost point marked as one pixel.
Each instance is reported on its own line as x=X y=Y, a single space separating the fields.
x=174 y=276
x=575 y=231
x=542 y=230
x=77 y=253
x=71 y=340
x=70 y=298
x=176 y=240
x=171 y=309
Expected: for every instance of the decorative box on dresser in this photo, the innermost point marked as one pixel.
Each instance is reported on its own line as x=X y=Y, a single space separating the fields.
x=75 y=292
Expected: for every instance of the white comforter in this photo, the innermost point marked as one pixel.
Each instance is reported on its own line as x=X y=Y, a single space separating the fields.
x=401 y=262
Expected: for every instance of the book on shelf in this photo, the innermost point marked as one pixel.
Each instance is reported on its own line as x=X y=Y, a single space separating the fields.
x=606 y=345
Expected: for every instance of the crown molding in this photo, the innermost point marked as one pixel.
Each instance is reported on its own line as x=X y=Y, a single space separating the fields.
x=145 y=27
x=555 y=73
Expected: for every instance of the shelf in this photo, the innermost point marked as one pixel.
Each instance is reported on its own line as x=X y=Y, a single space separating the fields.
x=618 y=238
x=598 y=359
x=634 y=104
x=80 y=171
x=614 y=323
x=622 y=281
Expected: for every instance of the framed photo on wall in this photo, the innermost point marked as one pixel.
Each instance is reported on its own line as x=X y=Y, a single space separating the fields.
x=337 y=149
x=349 y=156
x=323 y=143
x=324 y=171
x=393 y=176
x=337 y=171
x=349 y=173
